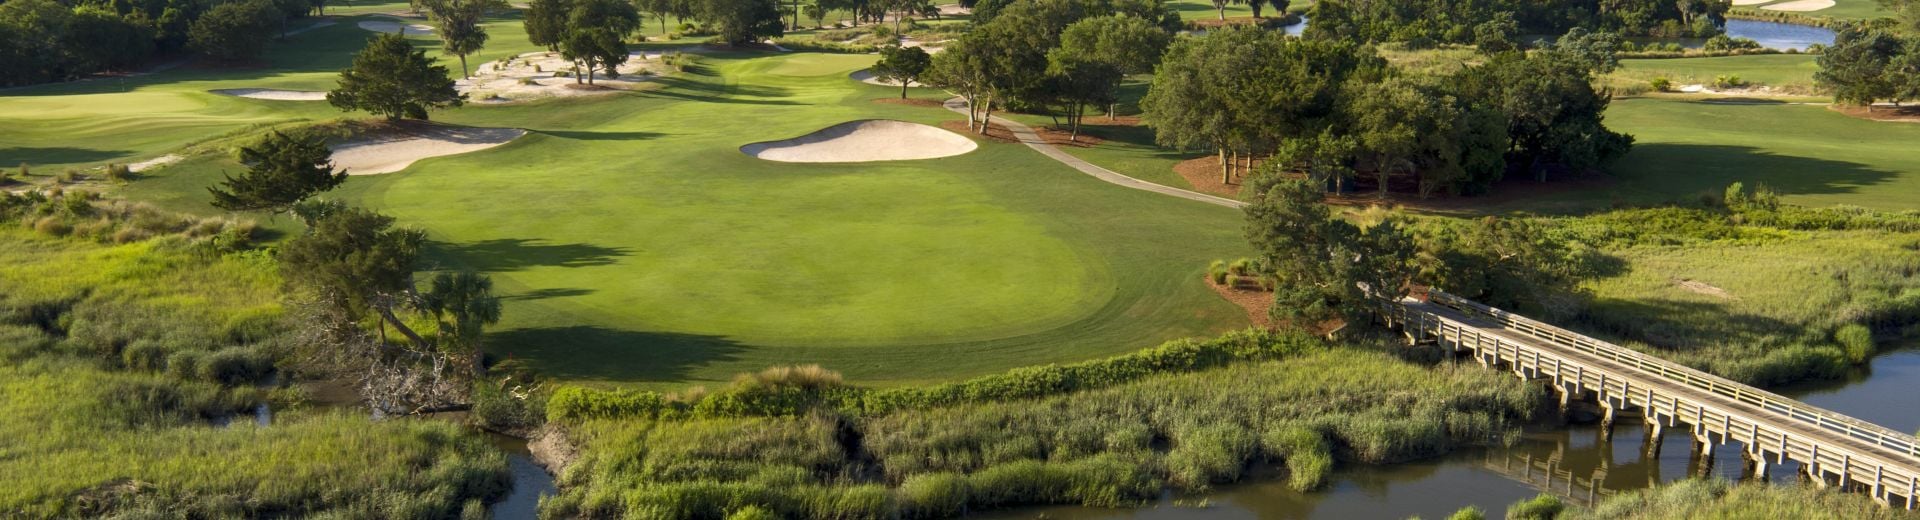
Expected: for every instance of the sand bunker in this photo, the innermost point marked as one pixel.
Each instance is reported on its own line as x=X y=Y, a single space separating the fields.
x=394 y=152
x=865 y=140
x=866 y=76
x=1800 y=5
x=531 y=76
x=273 y=94
x=394 y=27
x=153 y=163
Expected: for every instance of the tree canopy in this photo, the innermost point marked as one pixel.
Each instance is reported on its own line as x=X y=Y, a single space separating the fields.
x=903 y=65
x=282 y=170
x=741 y=22
x=393 y=79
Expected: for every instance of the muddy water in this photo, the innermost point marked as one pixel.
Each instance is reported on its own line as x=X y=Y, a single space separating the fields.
x=530 y=481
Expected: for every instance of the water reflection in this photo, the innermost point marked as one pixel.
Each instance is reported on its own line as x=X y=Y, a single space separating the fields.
x=1886 y=392
x=530 y=481
x=1782 y=36
x=1573 y=462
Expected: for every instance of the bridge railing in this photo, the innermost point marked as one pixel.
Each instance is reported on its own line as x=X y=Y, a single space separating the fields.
x=1832 y=421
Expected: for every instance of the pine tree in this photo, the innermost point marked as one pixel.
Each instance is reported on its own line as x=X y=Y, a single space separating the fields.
x=391 y=78
x=281 y=172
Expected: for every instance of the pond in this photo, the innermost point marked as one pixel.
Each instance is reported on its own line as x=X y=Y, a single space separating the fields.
x=1782 y=36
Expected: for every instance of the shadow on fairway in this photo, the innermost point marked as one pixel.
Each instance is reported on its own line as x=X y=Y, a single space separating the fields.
x=598 y=353
x=602 y=136
x=542 y=294
x=690 y=90
x=11 y=158
x=1682 y=170
x=508 y=254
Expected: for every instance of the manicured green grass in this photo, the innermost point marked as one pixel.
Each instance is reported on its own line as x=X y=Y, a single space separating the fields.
x=89 y=123
x=638 y=246
x=1811 y=155
x=1774 y=70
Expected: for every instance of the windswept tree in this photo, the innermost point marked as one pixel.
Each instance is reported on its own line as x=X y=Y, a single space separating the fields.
x=742 y=22
x=596 y=36
x=282 y=170
x=903 y=65
x=460 y=26
x=391 y=78
x=357 y=262
x=962 y=69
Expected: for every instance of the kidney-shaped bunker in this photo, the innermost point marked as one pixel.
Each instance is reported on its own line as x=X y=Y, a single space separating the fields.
x=865 y=140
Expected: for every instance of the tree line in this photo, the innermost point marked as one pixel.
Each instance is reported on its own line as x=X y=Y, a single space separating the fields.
x=1060 y=57
x=1498 y=22
x=58 y=40
x=1334 y=111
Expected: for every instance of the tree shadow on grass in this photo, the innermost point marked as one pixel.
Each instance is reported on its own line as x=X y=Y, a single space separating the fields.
x=600 y=353
x=11 y=157
x=683 y=89
x=542 y=294
x=1678 y=325
x=1678 y=171
x=509 y=254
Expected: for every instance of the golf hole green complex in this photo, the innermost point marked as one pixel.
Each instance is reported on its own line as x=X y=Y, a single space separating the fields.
x=864 y=141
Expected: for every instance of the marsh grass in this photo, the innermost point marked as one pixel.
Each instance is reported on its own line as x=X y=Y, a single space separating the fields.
x=1716 y=498
x=1113 y=445
x=115 y=358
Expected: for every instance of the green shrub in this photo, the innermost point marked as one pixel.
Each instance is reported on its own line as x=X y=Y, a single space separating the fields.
x=574 y=404
x=933 y=495
x=24 y=171
x=1468 y=513
x=147 y=355
x=235 y=365
x=1241 y=267
x=1217 y=272
x=752 y=513
x=1204 y=455
x=185 y=364
x=119 y=172
x=1661 y=84
x=1856 y=340
x=1727 y=81
x=1542 y=507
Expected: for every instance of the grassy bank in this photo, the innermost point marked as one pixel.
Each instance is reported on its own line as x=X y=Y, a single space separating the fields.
x=126 y=335
x=1715 y=498
x=1111 y=446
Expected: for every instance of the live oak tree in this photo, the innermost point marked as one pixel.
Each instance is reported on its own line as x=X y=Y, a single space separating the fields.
x=903 y=65
x=741 y=22
x=357 y=262
x=459 y=24
x=1867 y=64
x=393 y=79
x=1096 y=54
x=595 y=35
x=282 y=170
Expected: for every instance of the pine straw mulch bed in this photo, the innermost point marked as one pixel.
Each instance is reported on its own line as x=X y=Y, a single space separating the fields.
x=909 y=102
x=998 y=133
x=1907 y=114
x=1204 y=174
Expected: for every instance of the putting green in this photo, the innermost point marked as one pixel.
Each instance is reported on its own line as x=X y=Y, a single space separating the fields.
x=636 y=246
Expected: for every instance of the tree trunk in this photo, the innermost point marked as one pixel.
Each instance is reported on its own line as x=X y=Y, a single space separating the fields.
x=903 y=88
x=387 y=314
x=986 y=116
x=796 y=15
x=1226 y=170
x=663 y=26
x=1220 y=10
x=463 y=67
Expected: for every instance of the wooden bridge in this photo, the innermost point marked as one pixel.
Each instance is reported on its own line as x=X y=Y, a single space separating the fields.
x=1831 y=448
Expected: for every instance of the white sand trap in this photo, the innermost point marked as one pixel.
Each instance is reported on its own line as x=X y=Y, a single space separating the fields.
x=863 y=141
x=866 y=76
x=394 y=27
x=531 y=76
x=273 y=94
x=394 y=152
x=153 y=163
x=1800 y=5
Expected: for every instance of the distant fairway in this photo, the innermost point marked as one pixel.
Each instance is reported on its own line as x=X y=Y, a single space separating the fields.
x=637 y=246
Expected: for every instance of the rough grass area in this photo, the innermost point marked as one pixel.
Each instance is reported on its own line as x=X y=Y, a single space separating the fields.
x=1790 y=71
x=1716 y=498
x=1110 y=447
x=116 y=360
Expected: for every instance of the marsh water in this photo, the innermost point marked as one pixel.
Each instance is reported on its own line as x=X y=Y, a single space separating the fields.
x=530 y=481
x=1574 y=462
